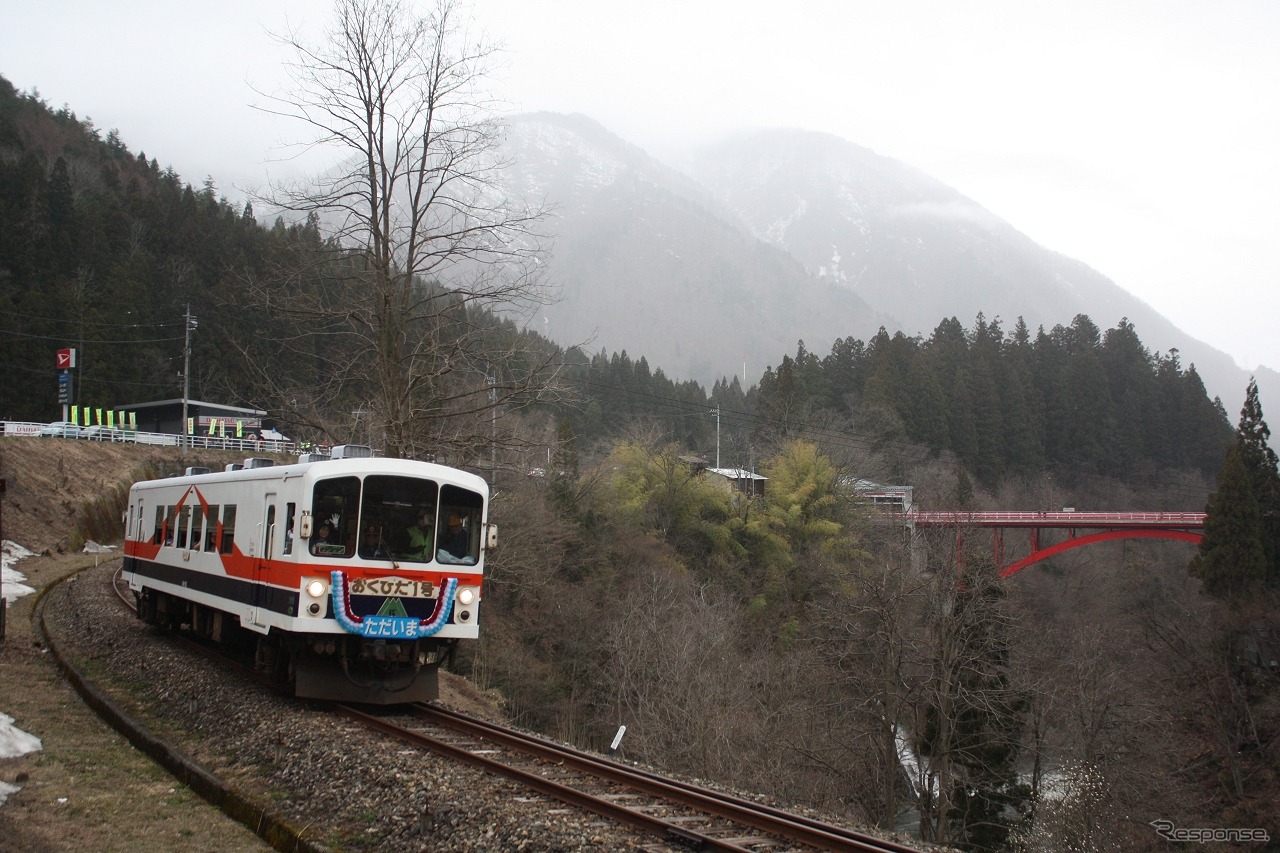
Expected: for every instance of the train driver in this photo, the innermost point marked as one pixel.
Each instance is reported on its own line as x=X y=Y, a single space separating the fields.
x=371 y=545
x=455 y=543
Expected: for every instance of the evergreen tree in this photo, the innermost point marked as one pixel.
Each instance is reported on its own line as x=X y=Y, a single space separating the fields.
x=1231 y=562
x=1253 y=437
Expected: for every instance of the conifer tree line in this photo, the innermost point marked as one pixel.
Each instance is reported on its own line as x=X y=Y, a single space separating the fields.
x=103 y=251
x=1071 y=398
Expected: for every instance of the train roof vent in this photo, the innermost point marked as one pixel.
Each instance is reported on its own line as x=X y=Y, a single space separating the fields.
x=352 y=451
x=233 y=466
x=311 y=457
x=193 y=470
x=259 y=462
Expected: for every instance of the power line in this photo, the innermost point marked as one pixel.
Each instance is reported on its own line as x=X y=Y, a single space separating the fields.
x=102 y=323
x=64 y=338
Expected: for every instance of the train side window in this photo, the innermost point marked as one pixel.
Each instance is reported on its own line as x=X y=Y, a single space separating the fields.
x=228 y=528
x=170 y=514
x=184 y=521
x=290 y=510
x=157 y=537
x=211 y=530
x=197 y=526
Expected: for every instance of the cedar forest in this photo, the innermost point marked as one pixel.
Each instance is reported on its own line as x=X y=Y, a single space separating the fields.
x=793 y=643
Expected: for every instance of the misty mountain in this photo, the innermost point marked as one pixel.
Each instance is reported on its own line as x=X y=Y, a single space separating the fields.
x=776 y=236
x=647 y=261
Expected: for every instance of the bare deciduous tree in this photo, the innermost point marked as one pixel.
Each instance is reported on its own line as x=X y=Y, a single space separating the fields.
x=419 y=243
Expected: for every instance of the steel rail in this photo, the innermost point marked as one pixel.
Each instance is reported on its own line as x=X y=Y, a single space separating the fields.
x=766 y=818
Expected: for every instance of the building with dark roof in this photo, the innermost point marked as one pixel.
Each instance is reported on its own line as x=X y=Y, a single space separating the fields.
x=166 y=416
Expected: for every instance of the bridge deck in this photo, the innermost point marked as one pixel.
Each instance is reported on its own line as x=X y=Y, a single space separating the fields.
x=1064 y=520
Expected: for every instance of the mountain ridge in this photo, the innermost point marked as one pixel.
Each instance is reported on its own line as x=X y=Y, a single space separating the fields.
x=741 y=230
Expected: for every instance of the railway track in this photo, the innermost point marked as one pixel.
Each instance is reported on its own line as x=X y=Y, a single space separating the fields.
x=674 y=813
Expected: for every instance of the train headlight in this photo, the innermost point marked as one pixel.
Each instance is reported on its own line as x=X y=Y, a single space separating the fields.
x=466 y=596
x=316 y=588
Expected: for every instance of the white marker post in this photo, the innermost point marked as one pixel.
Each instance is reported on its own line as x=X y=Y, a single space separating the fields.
x=617 y=739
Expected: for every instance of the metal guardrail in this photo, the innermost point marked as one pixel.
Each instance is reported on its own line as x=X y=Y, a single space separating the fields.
x=161 y=439
x=1069 y=519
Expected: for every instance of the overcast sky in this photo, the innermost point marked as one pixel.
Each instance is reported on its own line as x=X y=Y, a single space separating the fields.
x=1140 y=137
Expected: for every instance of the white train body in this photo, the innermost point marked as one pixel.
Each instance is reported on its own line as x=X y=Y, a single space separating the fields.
x=356 y=575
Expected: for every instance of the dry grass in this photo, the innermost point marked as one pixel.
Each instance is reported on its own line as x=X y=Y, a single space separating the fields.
x=53 y=484
x=87 y=788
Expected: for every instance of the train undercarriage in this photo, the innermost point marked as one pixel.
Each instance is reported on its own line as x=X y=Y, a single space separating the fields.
x=334 y=667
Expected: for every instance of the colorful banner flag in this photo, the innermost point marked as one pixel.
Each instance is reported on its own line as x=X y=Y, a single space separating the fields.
x=191 y=426
x=133 y=421
x=239 y=429
x=99 y=414
x=111 y=418
x=73 y=415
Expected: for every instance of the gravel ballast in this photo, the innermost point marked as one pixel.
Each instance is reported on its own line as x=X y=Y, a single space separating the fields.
x=339 y=785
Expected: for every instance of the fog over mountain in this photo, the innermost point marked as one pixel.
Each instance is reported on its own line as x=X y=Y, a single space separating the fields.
x=777 y=236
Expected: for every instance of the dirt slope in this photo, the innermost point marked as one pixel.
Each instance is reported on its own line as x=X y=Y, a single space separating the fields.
x=48 y=479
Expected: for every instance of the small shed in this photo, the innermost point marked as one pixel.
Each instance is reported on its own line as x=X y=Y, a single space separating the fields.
x=745 y=482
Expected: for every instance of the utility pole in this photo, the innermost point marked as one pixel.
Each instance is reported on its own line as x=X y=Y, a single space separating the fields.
x=493 y=430
x=357 y=414
x=717 y=411
x=190 y=323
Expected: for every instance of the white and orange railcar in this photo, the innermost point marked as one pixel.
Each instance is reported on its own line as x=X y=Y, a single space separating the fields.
x=352 y=578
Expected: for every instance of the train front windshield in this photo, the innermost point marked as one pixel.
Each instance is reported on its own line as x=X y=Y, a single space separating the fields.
x=396 y=519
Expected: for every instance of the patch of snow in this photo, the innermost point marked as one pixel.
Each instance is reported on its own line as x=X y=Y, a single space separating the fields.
x=10 y=579
x=776 y=231
x=14 y=741
x=907 y=758
x=833 y=271
x=92 y=547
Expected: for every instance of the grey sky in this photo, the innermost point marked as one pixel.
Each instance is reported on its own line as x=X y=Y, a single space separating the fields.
x=1138 y=136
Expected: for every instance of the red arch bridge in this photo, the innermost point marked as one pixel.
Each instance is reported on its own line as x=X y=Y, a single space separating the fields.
x=1105 y=527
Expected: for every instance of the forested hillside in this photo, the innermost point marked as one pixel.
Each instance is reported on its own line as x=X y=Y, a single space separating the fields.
x=104 y=251
x=799 y=643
